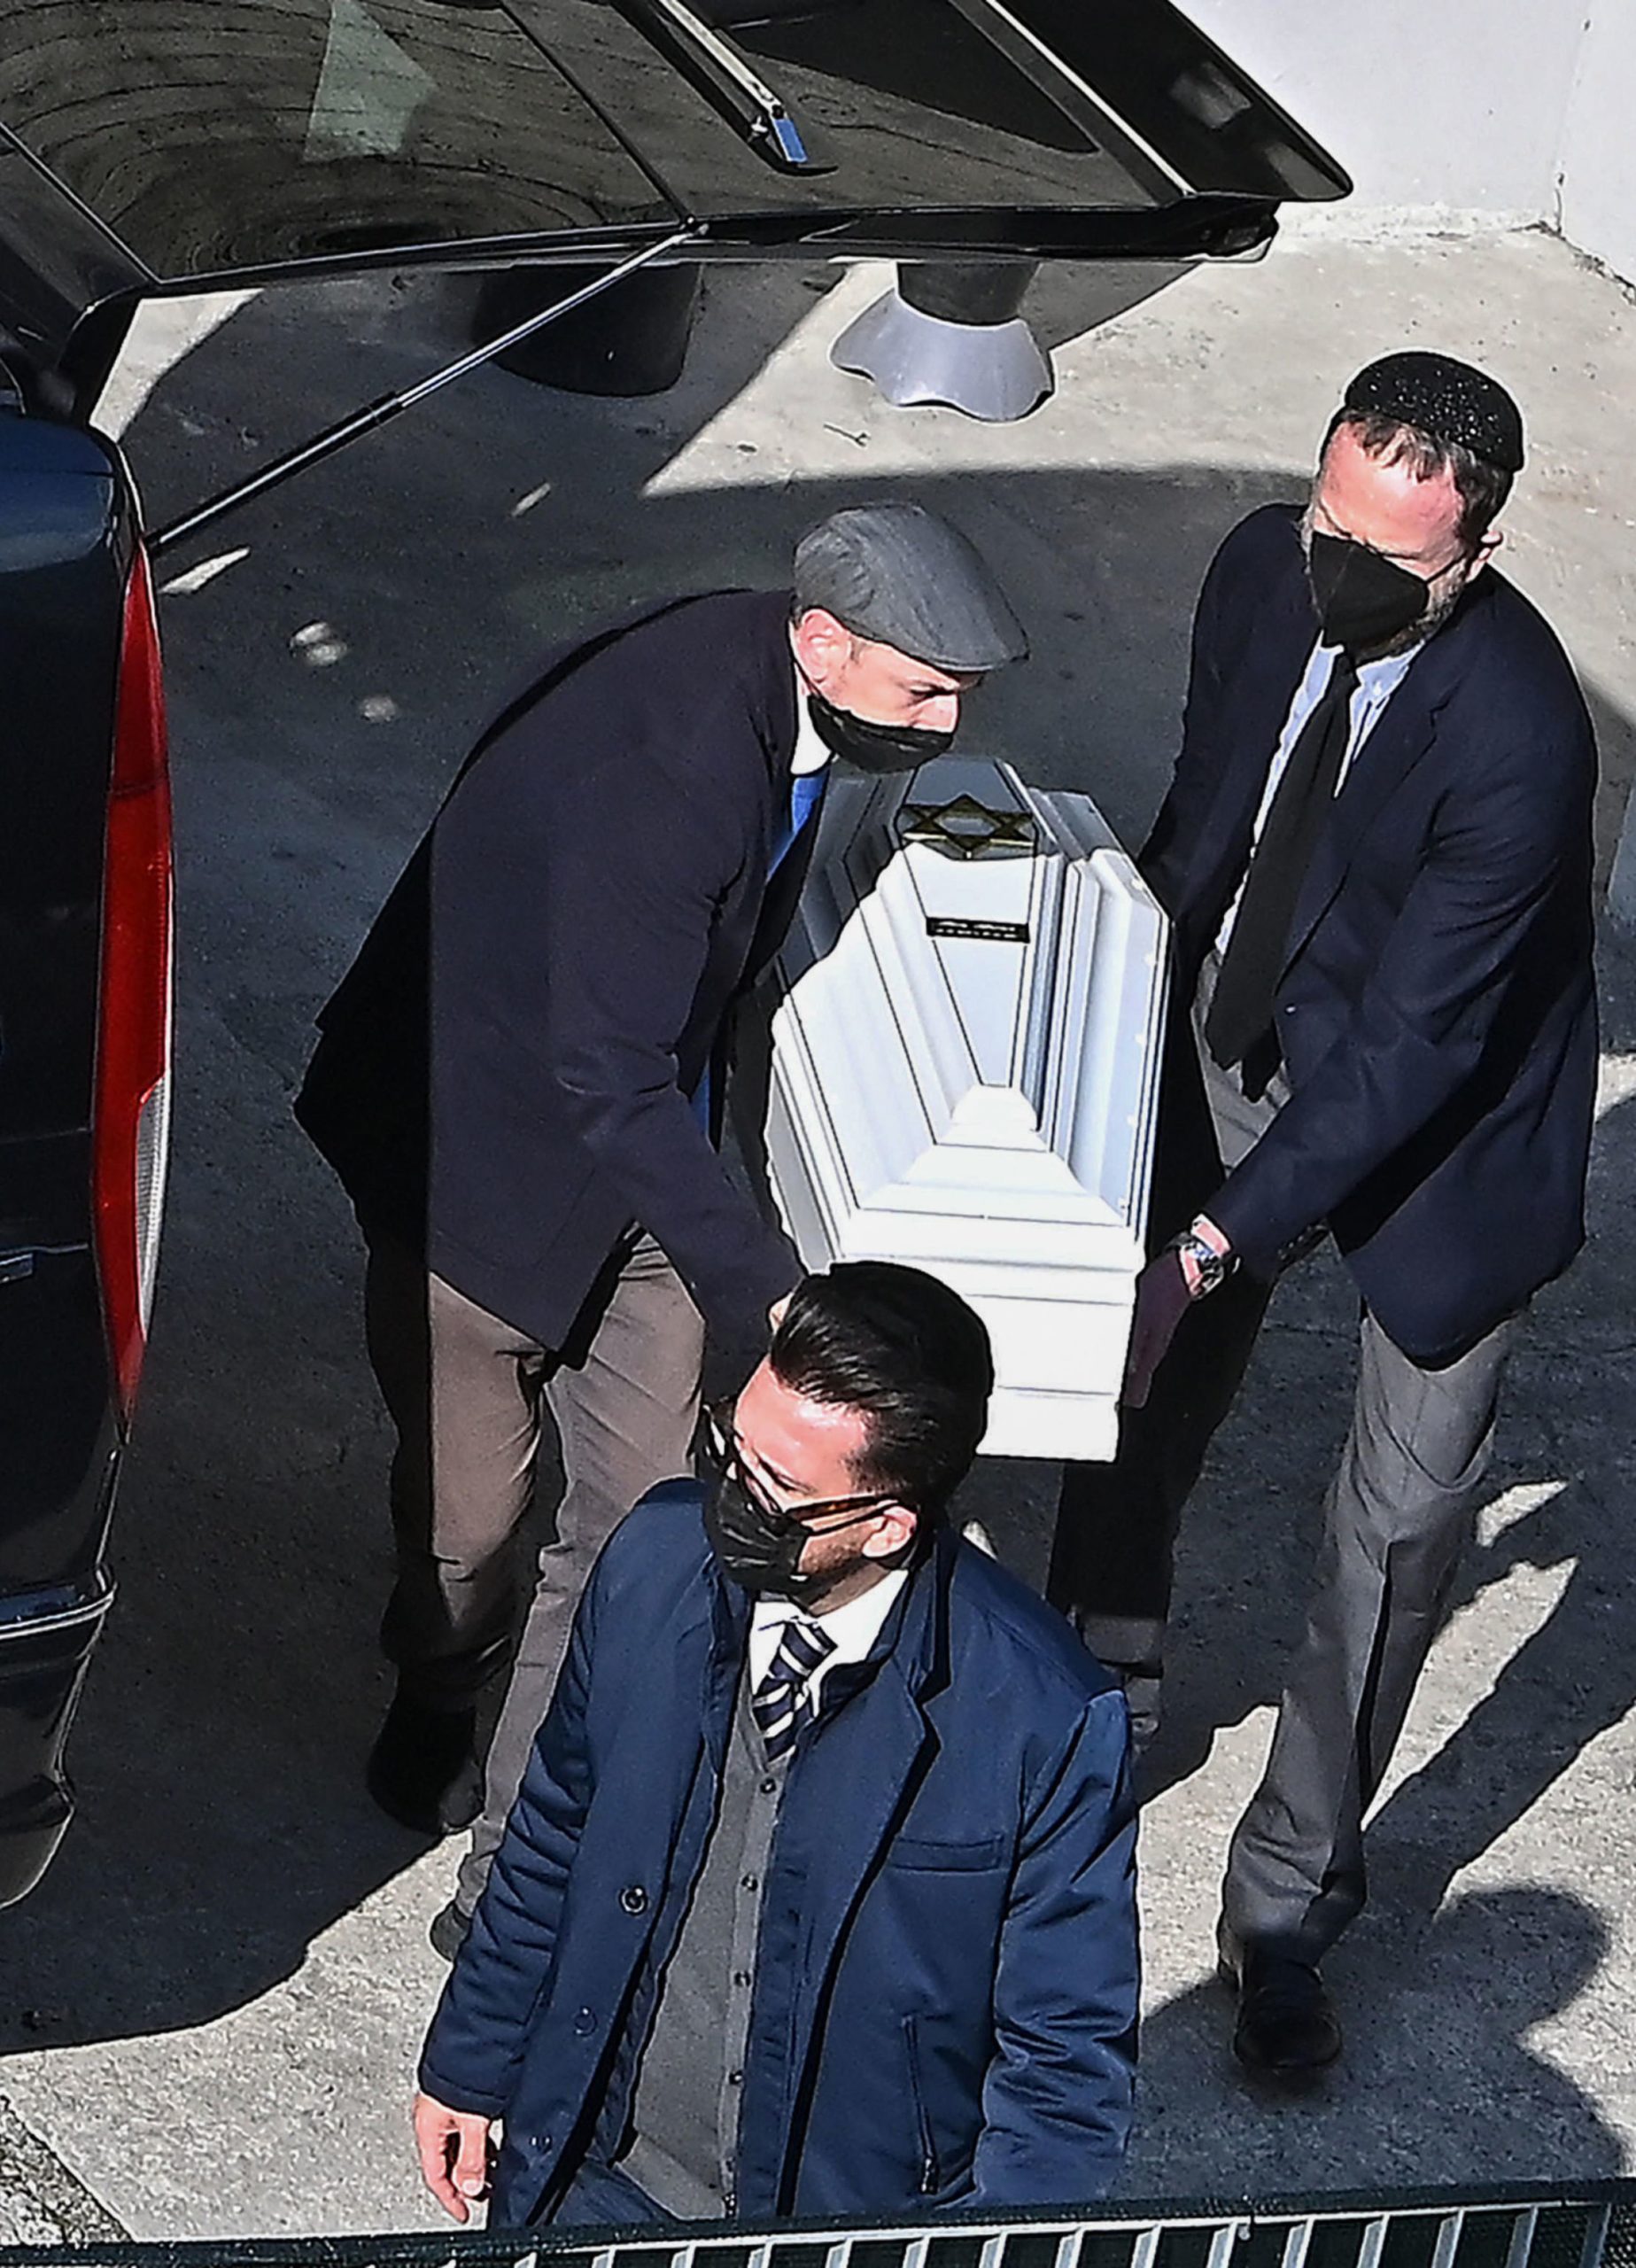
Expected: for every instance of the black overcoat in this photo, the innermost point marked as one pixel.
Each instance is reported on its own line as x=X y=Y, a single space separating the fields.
x=1437 y=1009
x=595 y=893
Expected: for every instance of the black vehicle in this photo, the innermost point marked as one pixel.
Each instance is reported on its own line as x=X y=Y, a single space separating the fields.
x=150 y=148
x=84 y=1048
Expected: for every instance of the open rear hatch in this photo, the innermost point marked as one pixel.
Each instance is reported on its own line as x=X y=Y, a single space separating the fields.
x=162 y=147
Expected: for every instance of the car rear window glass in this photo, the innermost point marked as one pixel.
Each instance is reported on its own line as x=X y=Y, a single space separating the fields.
x=210 y=134
x=903 y=103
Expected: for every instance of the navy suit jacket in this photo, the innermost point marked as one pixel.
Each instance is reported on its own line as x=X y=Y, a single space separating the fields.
x=1436 y=1011
x=945 y=2005
x=513 y=1097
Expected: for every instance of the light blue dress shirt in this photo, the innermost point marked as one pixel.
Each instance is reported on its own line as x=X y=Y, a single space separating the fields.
x=1377 y=681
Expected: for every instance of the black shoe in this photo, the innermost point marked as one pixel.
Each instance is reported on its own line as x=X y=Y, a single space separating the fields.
x=422 y=1770
x=1142 y=1694
x=1287 y=2030
x=448 y=1930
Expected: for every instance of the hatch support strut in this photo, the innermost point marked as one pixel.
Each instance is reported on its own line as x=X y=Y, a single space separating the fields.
x=376 y=413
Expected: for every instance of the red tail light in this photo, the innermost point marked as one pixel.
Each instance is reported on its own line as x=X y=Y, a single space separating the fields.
x=132 y=1126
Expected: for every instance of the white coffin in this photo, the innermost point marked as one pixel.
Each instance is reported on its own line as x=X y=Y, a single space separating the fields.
x=965 y=1029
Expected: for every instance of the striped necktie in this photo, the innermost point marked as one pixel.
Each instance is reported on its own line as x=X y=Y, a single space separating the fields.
x=782 y=1703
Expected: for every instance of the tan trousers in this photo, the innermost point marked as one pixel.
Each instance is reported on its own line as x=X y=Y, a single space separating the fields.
x=470 y=1396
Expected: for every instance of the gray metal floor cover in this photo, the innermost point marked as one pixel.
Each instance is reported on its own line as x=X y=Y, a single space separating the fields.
x=1588 y=2226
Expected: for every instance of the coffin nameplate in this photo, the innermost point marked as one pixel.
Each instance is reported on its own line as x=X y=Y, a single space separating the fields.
x=999 y=933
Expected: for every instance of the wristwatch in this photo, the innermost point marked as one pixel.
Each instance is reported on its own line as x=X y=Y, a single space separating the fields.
x=1211 y=1267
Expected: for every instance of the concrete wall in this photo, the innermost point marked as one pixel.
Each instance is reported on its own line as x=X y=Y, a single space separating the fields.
x=1426 y=102
x=1514 y=110
x=1597 y=169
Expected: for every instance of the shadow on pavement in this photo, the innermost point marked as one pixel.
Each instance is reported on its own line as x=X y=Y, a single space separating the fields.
x=1483 y=2105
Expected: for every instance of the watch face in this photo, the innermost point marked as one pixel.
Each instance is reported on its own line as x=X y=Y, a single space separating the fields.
x=1211 y=1267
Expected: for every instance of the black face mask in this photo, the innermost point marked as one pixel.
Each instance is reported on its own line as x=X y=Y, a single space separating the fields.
x=874 y=748
x=758 y=1546
x=751 y=1547
x=1363 y=601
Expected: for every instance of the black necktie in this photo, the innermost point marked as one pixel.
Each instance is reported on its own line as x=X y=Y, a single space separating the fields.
x=1241 y=1014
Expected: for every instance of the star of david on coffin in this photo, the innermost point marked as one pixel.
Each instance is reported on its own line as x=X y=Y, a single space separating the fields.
x=964 y=828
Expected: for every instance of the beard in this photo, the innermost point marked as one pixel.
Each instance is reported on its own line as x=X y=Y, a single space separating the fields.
x=1440 y=607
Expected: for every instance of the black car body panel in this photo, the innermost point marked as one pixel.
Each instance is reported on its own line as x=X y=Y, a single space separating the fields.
x=67 y=526
x=335 y=135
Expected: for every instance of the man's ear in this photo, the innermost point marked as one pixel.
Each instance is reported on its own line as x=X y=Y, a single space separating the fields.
x=822 y=645
x=896 y=1528
x=1487 y=544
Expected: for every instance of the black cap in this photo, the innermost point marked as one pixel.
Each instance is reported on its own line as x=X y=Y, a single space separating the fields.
x=901 y=575
x=1448 y=401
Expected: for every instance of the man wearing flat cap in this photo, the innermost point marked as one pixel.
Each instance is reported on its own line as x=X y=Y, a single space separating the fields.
x=518 y=1080
x=1377 y=854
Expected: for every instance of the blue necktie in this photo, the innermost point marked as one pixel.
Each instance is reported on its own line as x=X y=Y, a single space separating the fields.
x=806 y=792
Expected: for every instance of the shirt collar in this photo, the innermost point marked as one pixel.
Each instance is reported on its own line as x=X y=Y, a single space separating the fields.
x=1378 y=681
x=854 y=1628
x=812 y=751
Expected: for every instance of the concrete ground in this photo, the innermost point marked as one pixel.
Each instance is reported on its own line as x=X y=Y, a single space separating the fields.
x=210 y=2010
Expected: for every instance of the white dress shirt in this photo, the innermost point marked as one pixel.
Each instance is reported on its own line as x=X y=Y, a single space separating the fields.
x=854 y=1628
x=813 y=752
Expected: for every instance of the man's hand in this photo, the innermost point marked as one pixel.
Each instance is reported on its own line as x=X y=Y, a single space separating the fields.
x=1165 y=1289
x=454 y=2147
x=1163 y=1297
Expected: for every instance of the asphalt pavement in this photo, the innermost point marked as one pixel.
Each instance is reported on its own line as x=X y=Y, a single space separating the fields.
x=209 y=2012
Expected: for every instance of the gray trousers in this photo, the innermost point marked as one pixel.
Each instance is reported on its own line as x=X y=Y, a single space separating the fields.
x=470 y=1396
x=1394 y=1519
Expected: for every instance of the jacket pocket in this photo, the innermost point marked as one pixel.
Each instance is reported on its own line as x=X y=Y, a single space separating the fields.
x=924 y=1855
x=931 y=2177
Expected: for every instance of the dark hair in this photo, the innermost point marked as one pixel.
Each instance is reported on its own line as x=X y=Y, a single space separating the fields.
x=906 y=1351
x=1481 y=487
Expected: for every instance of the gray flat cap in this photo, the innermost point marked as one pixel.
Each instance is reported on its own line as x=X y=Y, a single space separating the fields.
x=901 y=575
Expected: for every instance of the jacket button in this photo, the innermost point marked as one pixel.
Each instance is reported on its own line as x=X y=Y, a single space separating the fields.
x=633 y=1897
x=585 y=2023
